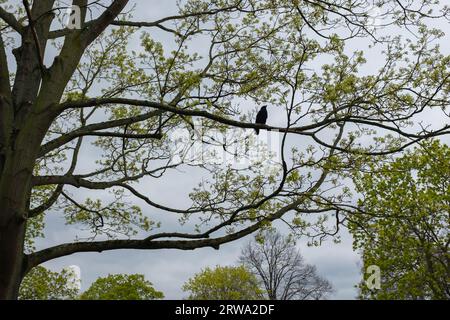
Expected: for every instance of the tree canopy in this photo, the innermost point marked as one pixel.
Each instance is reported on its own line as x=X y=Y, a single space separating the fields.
x=87 y=117
x=121 y=287
x=223 y=283
x=403 y=224
x=43 y=284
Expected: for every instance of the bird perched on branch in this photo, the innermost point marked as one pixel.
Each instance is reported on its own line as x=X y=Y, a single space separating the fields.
x=261 y=117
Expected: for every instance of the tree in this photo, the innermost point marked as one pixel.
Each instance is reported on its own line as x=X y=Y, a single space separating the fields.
x=77 y=91
x=121 y=287
x=223 y=283
x=403 y=222
x=280 y=268
x=43 y=284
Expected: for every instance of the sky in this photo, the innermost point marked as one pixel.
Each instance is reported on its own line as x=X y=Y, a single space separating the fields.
x=169 y=269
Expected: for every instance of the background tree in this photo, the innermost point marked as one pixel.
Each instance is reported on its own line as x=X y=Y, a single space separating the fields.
x=223 y=283
x=121 y=287
x=280 y=269
x=402 y=224
x=43 y=284
x=77 y=91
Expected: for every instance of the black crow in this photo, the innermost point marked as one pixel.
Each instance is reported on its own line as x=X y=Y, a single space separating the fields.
x=261 y=117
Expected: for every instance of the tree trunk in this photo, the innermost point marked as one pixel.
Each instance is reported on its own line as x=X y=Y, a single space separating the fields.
x=11 y=253
x=13 y=204
x=21 y=133
x=15 y=182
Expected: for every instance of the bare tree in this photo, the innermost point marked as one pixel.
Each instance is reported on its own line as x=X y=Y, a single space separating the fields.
x=278 y=264
x=74 y=94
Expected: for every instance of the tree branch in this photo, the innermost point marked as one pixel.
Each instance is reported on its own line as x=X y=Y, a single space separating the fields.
x=303 y=130
x=31 y=23
x=91 y=130
x=78 y=182
x=165 y=107
x=101 y=23
x=5 y=86
x=157 y=23
x=6 y=107
x=42 y=256
x=47 y=205
x=11 y=20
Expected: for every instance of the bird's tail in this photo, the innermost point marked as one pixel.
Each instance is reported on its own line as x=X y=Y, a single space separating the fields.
x=257 y=131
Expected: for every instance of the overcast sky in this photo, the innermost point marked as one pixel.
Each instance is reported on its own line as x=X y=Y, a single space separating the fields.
x=169 y=269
